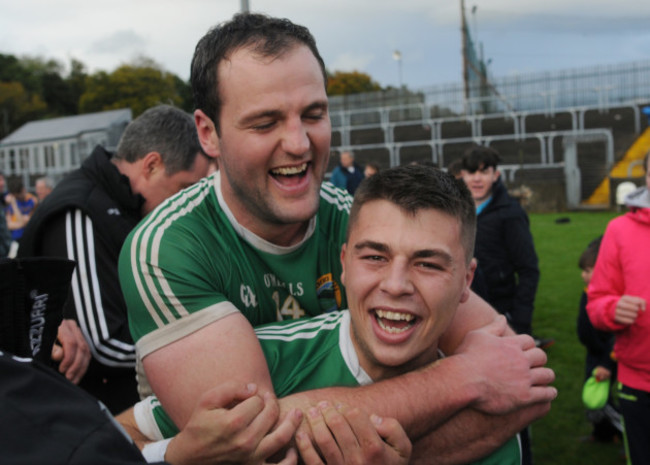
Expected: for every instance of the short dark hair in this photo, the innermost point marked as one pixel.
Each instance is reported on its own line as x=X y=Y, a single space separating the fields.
x=15 y=186
x=479 y=157
x=267 y=36
x=590 y=254
x=420 y=187
x=164 y=129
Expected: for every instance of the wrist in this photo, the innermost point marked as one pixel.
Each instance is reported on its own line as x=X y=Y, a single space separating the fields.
x=462 y=374
x=155 y=451
x=460 y=378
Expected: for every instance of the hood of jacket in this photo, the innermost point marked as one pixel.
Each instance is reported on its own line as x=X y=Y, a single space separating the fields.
x=639 y=198
x=638 y=202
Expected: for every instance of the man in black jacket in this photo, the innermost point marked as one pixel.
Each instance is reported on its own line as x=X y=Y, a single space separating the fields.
x=504 y=244
x=504 y=249
x=87 y=218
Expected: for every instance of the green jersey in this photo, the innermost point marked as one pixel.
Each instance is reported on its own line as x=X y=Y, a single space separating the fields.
x=189 y=263
x=306 y=354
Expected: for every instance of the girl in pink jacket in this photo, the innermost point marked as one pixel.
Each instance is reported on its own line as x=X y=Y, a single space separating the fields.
x=618 y=294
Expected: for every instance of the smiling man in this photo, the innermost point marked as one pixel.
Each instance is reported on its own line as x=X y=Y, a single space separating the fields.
x=260 y=241
x=407 y=264
x=504 y=245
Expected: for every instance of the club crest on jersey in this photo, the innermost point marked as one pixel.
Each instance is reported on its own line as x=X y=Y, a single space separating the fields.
x=328 y=292
x=247 y=296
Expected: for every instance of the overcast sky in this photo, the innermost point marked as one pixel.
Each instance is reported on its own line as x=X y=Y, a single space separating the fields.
x=519 y=36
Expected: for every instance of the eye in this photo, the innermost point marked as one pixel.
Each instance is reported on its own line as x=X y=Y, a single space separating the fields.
x=430 y=265
x=264 y=126
x=373 y=258
x=314 y=116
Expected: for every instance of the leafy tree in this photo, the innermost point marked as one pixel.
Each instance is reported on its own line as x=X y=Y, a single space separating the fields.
x=137 y=86
x=346 y=83
x=185 y=92
x=17 y=107
x=76 y=81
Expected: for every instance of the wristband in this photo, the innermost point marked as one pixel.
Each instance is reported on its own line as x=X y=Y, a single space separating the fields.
x=155 y=451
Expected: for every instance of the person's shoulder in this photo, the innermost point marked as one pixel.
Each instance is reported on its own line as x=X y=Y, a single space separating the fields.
x=335 y=198
x=184 y=207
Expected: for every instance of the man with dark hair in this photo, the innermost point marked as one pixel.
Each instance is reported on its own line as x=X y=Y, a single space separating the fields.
x=504 y=247
x=260 y=241
x=20 y=208
x=408 y=253
x=86 y=218
x=504 y=244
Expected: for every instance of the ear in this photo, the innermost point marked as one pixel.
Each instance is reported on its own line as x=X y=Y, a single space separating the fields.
x=343 y=250
x=469 y=277
x=497 y=174
x=151 y=164
x=207 y=133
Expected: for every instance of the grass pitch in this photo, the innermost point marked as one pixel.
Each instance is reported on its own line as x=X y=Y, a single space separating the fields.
x=556 y=437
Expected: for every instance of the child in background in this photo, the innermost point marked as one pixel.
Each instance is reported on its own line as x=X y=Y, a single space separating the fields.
x=600 y=345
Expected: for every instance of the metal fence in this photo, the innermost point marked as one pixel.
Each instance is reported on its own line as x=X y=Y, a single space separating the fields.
x=537 y=120
x=546 y=92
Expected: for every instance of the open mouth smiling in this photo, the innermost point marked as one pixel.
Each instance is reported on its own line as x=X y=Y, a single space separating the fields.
x=291 y=171
x=394 y=322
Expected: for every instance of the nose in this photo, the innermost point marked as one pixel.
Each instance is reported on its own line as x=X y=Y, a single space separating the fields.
x=396 y=280
x=295 y=140
x=475 y=176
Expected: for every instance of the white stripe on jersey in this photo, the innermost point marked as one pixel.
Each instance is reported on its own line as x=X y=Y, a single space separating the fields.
x=80 y=245
x=300 y=329
x=336 y=196
x=157 y=223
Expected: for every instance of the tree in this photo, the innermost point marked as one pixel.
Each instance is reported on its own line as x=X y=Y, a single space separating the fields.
x=17 y=107
x=346 y=83
x=137 y=86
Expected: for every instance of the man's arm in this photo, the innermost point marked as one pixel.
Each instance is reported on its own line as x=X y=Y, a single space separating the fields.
x=72 y=235
x=226 y=349
x=491 y=373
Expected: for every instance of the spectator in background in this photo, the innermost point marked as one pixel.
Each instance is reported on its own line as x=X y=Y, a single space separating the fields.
x=504 y=249
x=87 y=218
x=618 y=296
x=19 y=209
x=347 y=175
x=599 y=361
x=43 y=187
x=5 y=235
x=370 y=169
x=504 y=245
x=3 y=188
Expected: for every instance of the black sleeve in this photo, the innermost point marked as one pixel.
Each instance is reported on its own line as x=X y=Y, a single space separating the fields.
x=521 y=250
x=47 y=419
x=95 y=300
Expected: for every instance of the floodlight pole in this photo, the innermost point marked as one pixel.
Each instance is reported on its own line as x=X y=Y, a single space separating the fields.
x=397 y=56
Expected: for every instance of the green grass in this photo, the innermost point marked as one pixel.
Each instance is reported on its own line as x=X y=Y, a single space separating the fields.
x=556 y=437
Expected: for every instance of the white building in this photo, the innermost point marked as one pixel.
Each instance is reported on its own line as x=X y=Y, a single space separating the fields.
x=54 y=147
